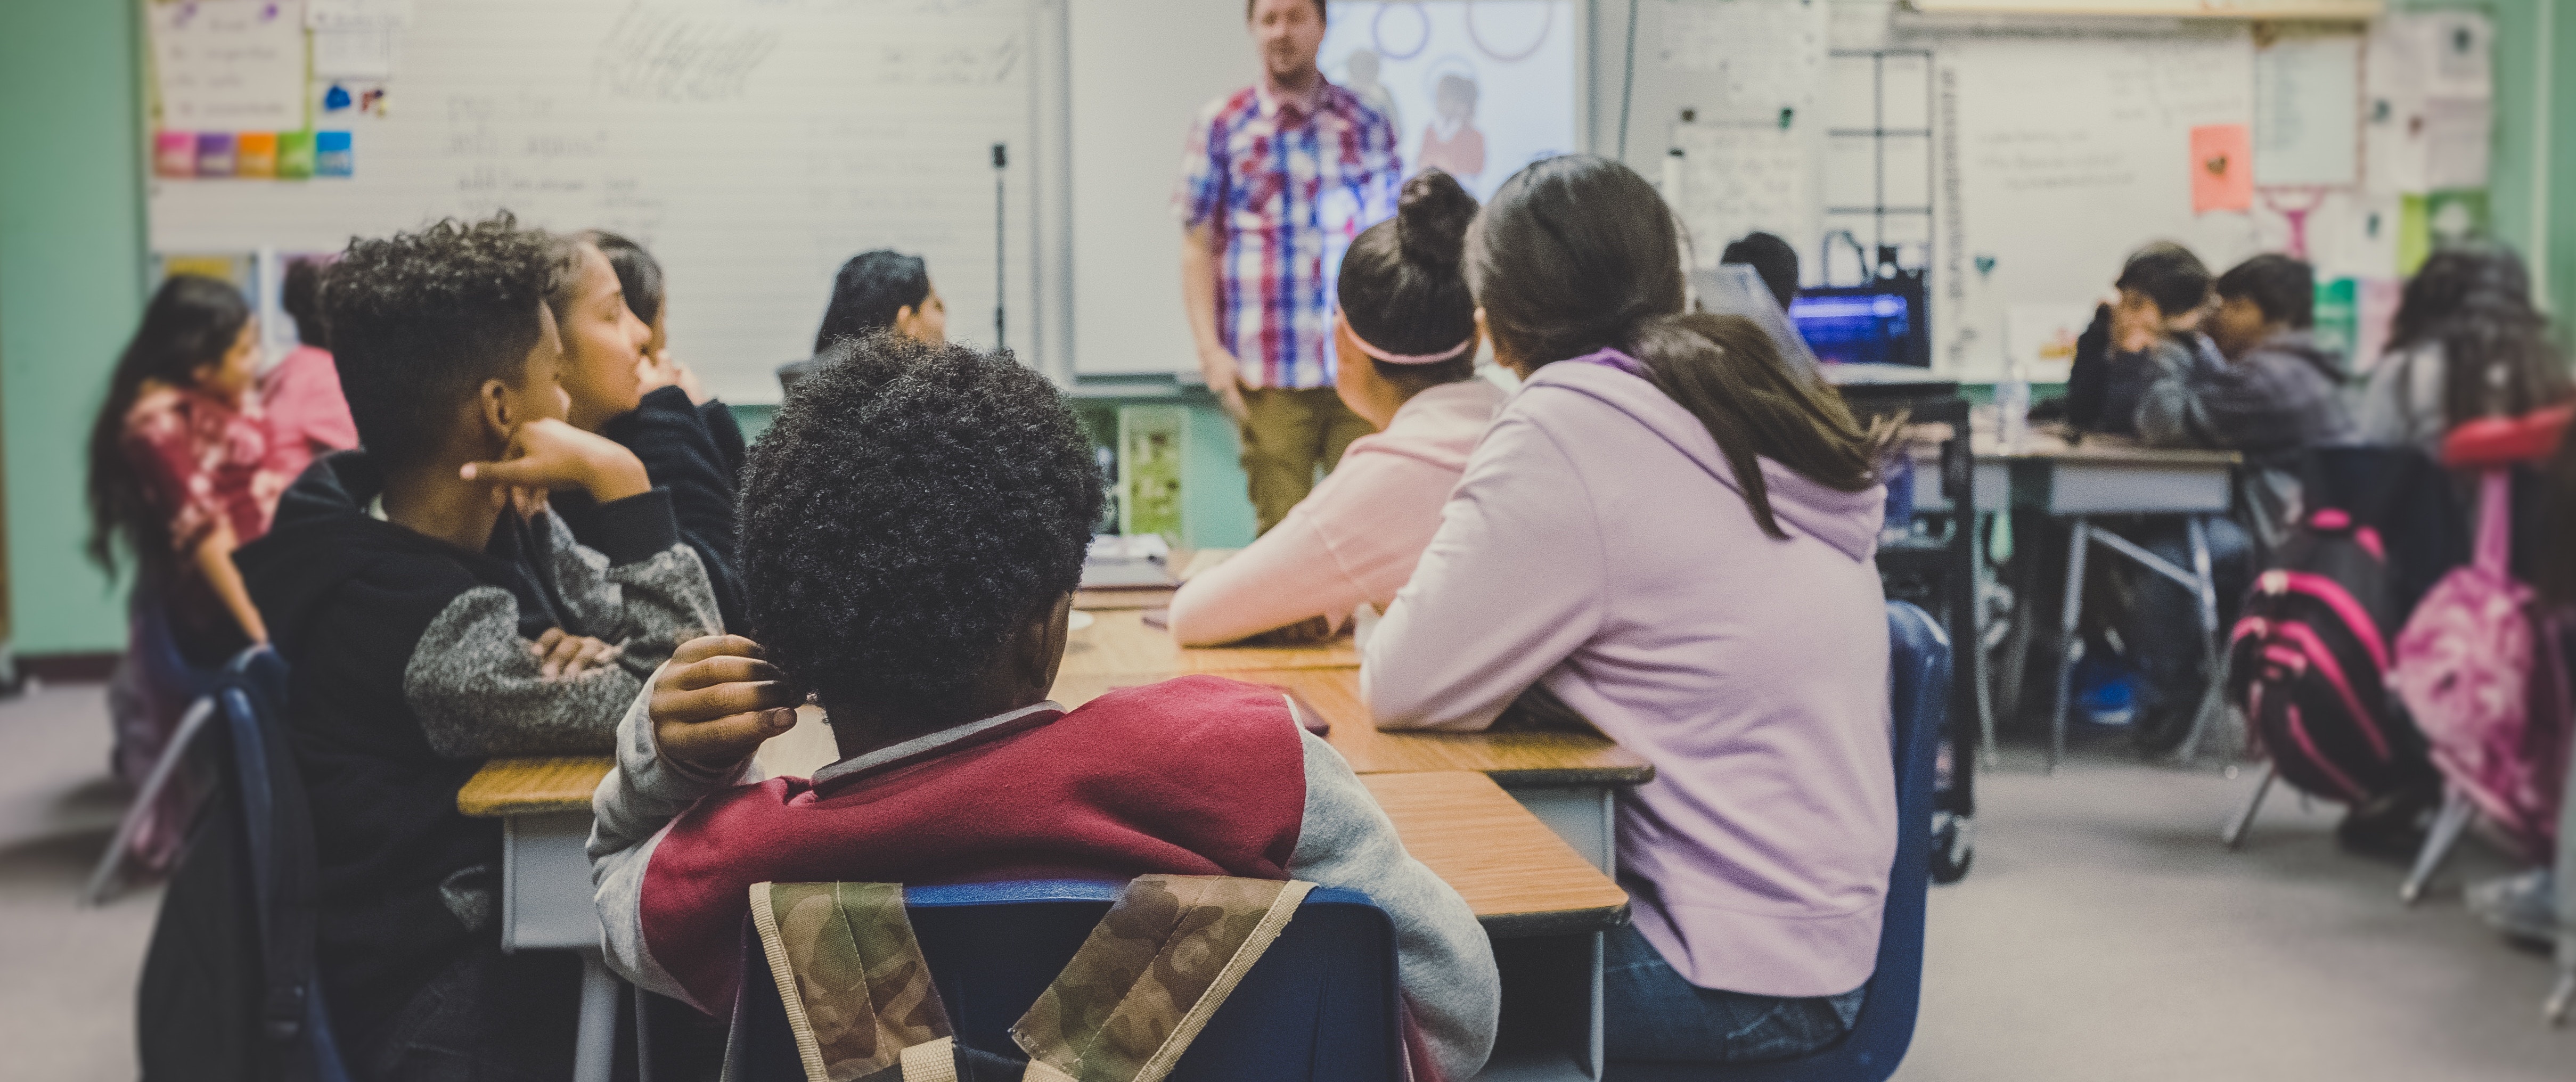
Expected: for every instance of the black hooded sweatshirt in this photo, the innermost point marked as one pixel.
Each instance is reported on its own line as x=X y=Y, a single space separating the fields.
x=411 y=663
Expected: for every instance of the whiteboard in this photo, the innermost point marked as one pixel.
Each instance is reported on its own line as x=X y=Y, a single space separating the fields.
x=2061 y=154
x=752 y=146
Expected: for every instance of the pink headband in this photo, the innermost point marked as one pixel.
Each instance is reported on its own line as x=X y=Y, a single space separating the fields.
x=1405 y=358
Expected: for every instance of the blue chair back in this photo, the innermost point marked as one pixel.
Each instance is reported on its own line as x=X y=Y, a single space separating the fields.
x=1320 y=1005
x=251 y=694
x=1918 y=677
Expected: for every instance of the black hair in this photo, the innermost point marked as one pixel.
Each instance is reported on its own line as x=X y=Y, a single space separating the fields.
x=2169 y=275
x=191 y=321
x=2284 y=288
x=1320 y=15
x=420 y=320
x=910 y=506
x=870 y=289
x=2498 y=355
x=1401 y=287
x=638 y=273
x=1772 y=259
x=1578 y=253
x=300 y=294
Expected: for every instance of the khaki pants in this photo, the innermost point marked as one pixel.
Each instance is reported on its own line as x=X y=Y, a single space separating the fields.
x=1287 y=435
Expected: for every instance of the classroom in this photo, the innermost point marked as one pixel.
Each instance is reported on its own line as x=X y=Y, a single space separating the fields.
x=1625 y=540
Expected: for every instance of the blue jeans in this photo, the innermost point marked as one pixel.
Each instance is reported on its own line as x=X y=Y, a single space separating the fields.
x=1649 y=1012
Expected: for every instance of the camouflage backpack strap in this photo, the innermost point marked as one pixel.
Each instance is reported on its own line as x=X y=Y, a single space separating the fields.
x=1151 y=974
x=857 y=993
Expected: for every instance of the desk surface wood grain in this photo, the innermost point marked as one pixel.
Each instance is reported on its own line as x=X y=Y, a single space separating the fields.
x=1120 y=642
x=1519 y=759
x=1518 y=876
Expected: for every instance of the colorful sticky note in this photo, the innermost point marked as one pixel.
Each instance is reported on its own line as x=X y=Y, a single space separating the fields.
x=332 y=156
x=215 y=154
x=2222 y=168
x=294 y=155
x=174 y=153
x=255 y=154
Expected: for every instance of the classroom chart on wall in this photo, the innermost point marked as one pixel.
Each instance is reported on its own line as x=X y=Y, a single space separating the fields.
x=752 y=147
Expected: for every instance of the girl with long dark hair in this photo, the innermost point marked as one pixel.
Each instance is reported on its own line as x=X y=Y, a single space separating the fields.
x=1671 y=529
x=179 y=476
x=2466 y=343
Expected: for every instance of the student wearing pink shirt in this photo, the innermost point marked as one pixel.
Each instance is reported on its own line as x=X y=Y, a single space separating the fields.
x=1407 y=338
x=1670 y=530
x=307 y=418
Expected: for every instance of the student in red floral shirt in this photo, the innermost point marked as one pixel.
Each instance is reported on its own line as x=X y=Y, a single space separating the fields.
x=179 y=476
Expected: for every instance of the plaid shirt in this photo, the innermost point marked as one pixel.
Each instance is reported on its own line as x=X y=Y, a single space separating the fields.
x=1286 y=187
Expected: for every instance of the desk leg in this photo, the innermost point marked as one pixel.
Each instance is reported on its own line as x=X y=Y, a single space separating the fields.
x=1980 y=575
x=595 y=1056
x=2213 y=697
x=2079 y=540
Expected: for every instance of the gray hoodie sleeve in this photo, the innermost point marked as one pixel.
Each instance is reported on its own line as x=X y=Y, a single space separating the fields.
x=1444 y=962
x=476 y=685
x=632 y=808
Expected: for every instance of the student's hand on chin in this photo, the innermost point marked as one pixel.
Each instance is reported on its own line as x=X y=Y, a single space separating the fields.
x=716 y=701
x=546 y=454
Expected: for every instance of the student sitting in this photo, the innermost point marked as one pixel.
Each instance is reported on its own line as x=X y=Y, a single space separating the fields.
x=1771 y=258
x=875 y=291
x=626 y=388
x=2466 y=343
x=2272 y=388
x=1670 y=530
x=179 y=475
x=2164 y=294
x=419 y=646
x=307 y=418
x=914 y=526
x=1355 y=538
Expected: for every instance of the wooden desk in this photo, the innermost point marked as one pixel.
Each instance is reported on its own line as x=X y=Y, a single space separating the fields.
x=1569 y=780
x=1120 y=643
x=1520 y=878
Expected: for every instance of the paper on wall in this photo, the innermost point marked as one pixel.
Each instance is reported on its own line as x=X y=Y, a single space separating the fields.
x=2222 y=170
x=2458 y=142
x=2307 y=99
x=1738 y=178
x=1753 y=58
x=228 y=65
x=2041 y=338
x=2429 y=102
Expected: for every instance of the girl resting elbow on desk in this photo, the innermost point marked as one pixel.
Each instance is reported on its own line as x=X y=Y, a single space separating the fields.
x=1673 y=531
x=1407 y=341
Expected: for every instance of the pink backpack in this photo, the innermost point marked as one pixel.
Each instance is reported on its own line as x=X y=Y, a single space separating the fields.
x=2466 y=669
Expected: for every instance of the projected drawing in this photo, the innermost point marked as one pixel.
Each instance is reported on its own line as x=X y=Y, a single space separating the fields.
x=1476 y=87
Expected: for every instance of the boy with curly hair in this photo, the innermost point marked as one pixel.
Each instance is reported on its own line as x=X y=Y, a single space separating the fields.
x=434 y=614
x=913 y=528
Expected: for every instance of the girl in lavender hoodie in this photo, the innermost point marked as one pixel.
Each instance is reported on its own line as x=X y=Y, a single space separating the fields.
x=1407 y=337
x=1671 y=531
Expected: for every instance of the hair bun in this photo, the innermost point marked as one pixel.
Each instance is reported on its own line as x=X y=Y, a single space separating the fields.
x=1431 y=220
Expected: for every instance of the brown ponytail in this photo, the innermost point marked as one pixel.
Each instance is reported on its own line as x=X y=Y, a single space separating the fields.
x=1577 y=254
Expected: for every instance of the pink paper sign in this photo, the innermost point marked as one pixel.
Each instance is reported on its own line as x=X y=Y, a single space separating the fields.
x=2222 y=168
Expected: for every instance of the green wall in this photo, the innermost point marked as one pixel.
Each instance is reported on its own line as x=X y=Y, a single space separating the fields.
x=71 y=281
x=72 y=271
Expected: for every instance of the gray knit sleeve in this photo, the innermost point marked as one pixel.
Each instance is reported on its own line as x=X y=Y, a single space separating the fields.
x=1444 y=962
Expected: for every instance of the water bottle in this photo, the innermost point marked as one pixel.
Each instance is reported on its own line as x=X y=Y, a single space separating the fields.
x=2012 y=407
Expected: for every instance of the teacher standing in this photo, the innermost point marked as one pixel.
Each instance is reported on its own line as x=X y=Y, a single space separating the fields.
x=1277 y=179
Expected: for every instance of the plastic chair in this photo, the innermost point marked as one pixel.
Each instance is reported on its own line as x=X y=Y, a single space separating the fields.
x=1320 y=1005
x=156 y=668
x=1918 y=660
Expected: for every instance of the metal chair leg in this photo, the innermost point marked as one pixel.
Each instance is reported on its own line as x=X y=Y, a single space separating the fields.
x=112 y=861
x=2561 y=998
x=2234 y=835
x=2213 y=697
x=2079 y=539
x=1981 y=577
x=2457 y=811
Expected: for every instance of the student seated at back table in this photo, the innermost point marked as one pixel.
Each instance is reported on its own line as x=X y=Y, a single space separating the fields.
x=2164 y=295
x=1408 y=333
x=307 y=418
x=1671 y=530
x=428 y=625
x=875 y=291
x=914 y=526
x=2466 y=343
x=624 y=385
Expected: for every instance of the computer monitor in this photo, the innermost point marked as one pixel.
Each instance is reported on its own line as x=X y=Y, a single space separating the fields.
x=1882 y=323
